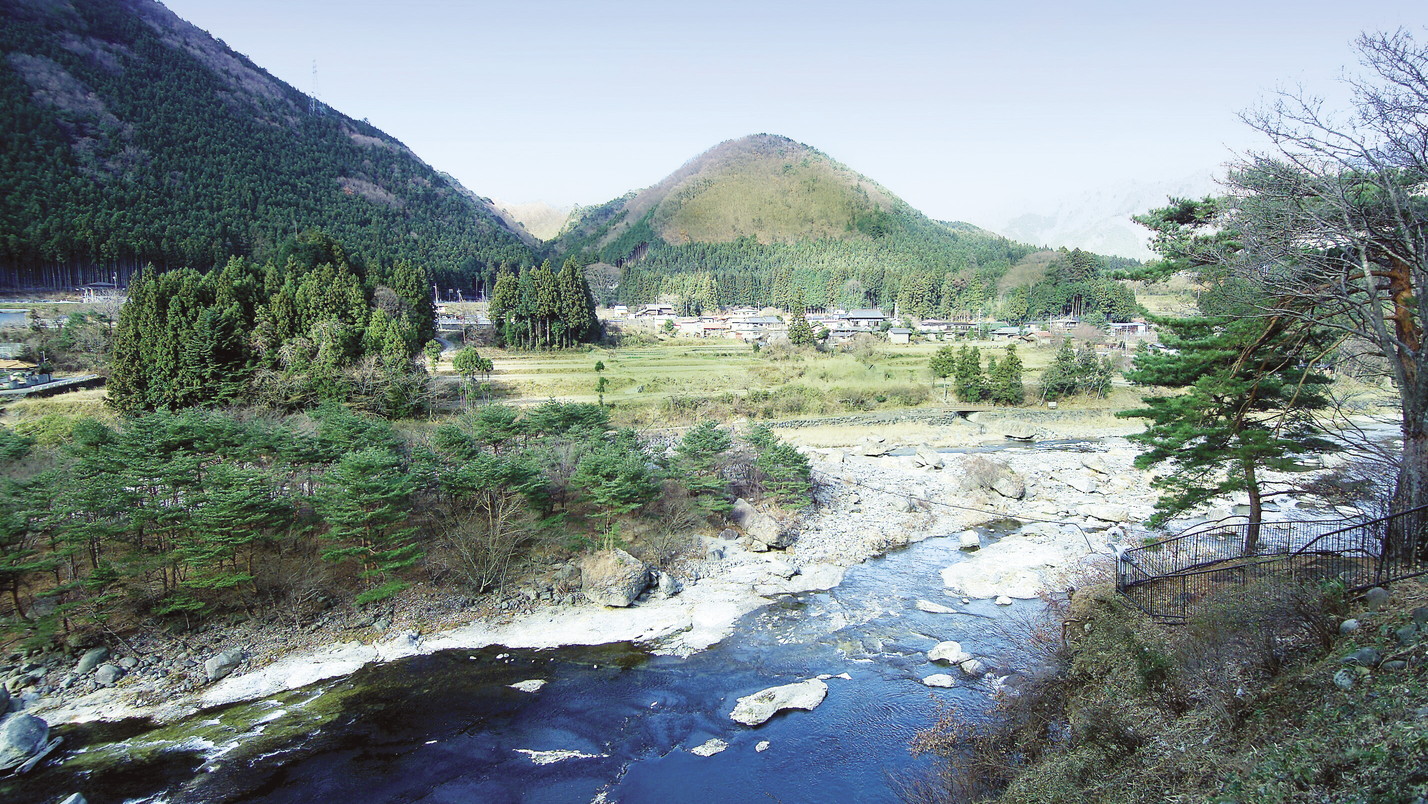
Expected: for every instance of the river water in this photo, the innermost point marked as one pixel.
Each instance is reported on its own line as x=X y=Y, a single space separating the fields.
x=448 y=728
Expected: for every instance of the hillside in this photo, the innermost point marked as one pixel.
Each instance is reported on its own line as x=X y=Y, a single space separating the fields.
x=764 y=220
x=147 y=140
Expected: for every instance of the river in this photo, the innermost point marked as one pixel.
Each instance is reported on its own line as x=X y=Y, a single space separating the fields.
x=447 y=727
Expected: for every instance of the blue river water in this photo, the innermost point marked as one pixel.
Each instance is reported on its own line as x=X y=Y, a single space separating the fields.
x=448 y=727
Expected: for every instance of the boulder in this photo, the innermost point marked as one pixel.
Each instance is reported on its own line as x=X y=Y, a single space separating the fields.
x=1407 y=635
x=928 y=457
x=762 y=746
x=752 y=710
x=741 y=512
x=666 y=585
x=1010 y=485
x=529 y=685
x=21 y=736
x=949 y=652
x=4 y=701
x=1096 y=464
x=940 y=680
x=874 y=447
x=728 y=533
x=1079 y=482
x=1104 y=512
x=613 y=577
x=710 y=747
x=107 y=674
x=221 y=665
x=969 y=540
x=1376 y=598
x=1348 y=626
x=90 y=660
x=934 y=608
x=1363 y=657
x=1019 y=431
x=1420 y=617
x=975 y=668
x=75 y=798
x=768 y=531
x=1344 y=680
x=1003 y=600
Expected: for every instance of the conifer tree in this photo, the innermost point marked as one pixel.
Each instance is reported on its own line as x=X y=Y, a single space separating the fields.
x=365 y=499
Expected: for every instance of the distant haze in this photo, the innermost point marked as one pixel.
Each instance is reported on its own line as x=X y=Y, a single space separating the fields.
x=979 y=112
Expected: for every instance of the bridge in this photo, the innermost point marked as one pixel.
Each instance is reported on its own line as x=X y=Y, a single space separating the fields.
x=1167 y=578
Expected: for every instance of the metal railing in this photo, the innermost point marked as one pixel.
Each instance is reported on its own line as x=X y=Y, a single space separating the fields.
x=1166 y=578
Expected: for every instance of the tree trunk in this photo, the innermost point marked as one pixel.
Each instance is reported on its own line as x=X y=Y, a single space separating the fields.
x=1411 y=486
x=1256 y=512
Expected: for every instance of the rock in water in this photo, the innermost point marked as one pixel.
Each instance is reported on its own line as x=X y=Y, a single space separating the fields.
x=934 y=608
x=940 y=680
x=90 y=660
x=75 y=798
x=21 y=736
x=221 y=665
x=530 y=685
x=762 y=746
x=613 y=577
x=949 y=652
x=1019 y=431
x=1003 y=600
x=709 y=748
x=969 y=541
x=751 y=710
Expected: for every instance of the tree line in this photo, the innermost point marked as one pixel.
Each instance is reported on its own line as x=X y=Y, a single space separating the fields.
x=541 y=309
x=190 y=514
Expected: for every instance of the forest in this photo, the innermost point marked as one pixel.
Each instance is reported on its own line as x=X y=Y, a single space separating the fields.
x=182 y=516
x=148 y=142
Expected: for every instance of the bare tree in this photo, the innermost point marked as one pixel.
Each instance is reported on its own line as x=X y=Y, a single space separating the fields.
x=1331 y=227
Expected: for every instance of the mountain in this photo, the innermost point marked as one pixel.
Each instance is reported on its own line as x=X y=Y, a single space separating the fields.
x=763 y=220
x=1100 y=220
x=541 y=220
x=134 y=137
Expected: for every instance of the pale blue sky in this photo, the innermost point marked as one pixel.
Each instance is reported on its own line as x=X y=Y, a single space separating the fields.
x=969 y=110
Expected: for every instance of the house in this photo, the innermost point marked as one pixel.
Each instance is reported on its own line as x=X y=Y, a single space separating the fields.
x=1064 y=324
x=1130 y=329
x=1007 y=333
x=653 y=311
x=900 y=335
x=865 y=319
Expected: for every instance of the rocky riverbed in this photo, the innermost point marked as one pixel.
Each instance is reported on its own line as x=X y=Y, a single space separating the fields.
x=1023 y=514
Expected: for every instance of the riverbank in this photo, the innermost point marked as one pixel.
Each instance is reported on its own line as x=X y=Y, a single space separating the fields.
x=868 y=504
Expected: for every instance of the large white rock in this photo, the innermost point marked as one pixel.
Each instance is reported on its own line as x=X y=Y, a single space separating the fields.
x=613 y=577
x=1079 y=482
x=934 y=608
x=950 y=652
x=752 y=710
x=710 y=747
x=940 y=680
x=969 y=540
x=1105 y=512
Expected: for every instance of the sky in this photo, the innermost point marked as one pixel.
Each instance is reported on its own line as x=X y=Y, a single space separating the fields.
x=968 y=110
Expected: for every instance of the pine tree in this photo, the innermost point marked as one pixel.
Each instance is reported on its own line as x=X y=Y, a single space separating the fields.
x=970 y=382
x=799 y=332
x=365 y=500
x=1005 y=380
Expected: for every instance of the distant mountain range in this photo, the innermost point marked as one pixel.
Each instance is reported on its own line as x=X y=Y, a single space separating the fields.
x=1100 y=220
x=134 y=137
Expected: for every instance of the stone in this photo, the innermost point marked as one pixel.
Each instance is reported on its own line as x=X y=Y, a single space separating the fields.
x=4 y=701
x=1003 y=600
x=768 y=531
x=752 y=710
x=762 y=746
x=741 y=512
x=1376 y=598
x=1079 y=482
x=90 y=660
x=1096 y=464
x=613 y=578
x=1010 y=485
x=950 y=652
x=940 y=680
x=1348 y=626
x=107 y=674
x=219 y=666
x=874 y=447
x=1363 y=657
x=1019 y=431
x=928 y=457
x=934 y=608
x=710 y=747
x=529 y=685
x=729 y=533
x=1396 y=664
x=1407 y=635
x=666 y=585
x=975 y=668
x=129 y=662
x=753 y=546
x=1344 y=680
x=75 y=798
x=969 y=540
x=1420 y=616
x=21 y=736
x=1104 y=512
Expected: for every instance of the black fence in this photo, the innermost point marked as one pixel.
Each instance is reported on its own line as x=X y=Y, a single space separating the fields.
x=1166 y=578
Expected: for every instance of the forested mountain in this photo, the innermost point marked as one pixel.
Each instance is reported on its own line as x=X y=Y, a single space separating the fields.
x=132 y=137
x=764 y=220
